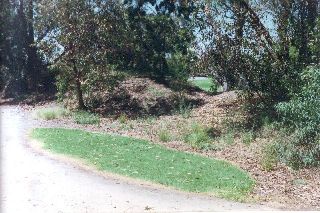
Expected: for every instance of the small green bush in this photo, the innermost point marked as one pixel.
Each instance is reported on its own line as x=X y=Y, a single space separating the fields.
x=52 y=113
x=123 y=118
x=227 y=138
x=269 y=157
x=155 y=92
x=197 y=136
x=301 y=115
x=83 y=117
x=248 y=137
x=185 y=109
x=297 y=156
x=164 y=135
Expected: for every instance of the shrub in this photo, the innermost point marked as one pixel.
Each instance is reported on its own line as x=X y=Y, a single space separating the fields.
x=52 y=113
x=164 y=135
x=248 y=137
x=269 y=157
x=156 y=92
x=227 y=138
x=302 y=117
x=123 y=118
x=197 y=136
x=185 y=109
x=179 y=68
x=83 y=117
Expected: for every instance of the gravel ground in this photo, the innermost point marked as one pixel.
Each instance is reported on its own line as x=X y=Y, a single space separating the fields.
x=35 y=181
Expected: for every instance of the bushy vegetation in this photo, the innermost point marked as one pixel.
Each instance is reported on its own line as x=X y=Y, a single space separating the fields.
x=164 y=135
x=168 y=41
x=184 y=108
x=197 y=136
x=269 y=157
x=301 y=115
x=83 y=117
x=52 y=113
x=248 y=137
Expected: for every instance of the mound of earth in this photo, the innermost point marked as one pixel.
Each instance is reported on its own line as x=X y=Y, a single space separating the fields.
x=142 y=96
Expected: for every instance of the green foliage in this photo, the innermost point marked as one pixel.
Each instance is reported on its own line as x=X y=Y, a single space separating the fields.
x=155 y=92
x=179 y=66
x=21 y=67
x=248 y=137
x=89 y=57
x=302 y=116
x=314 y=45
x=197 y=136
x=269 y=157
x=83 y=52
x=84 y=117
x=164 y=135
x=184 y=109
x=52 y=113
x=147 y=161
x=161 y=44
x=123 y=118
x=295 y=155
x=227 y=138
x=242 y=50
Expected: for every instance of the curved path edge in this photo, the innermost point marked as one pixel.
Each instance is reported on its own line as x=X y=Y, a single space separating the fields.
x=36 y=180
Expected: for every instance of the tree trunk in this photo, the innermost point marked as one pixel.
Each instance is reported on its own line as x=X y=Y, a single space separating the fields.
x=240 y=18
x=78 y=87
x=283 y=28
x=33 y=64
x=259 y=28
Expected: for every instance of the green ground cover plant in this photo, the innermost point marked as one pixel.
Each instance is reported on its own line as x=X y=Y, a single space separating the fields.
x=83 y=117
x=197 y=136
x=143 y=160
x=164 y=135
x=52 y=113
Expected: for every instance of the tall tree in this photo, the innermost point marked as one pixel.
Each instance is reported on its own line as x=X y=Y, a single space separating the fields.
x=160 y=31
x=21 y=64
x=85 y=40
x=263 y=44
x=34 y=65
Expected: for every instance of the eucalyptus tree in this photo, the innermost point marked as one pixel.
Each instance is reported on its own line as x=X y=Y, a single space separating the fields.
x=83 y=39
x=261 y=46
x=161 y=33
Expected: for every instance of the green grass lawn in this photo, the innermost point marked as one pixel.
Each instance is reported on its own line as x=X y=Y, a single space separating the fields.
x=143 y=160
x=204 y=84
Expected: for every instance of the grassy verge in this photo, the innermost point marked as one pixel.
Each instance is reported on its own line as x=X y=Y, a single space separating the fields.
x=141 y=159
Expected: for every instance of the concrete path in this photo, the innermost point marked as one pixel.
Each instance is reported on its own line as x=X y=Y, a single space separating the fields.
x=34 y=182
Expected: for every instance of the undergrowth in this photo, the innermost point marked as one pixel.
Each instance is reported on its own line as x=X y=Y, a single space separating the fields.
x=197 y=136
x=84 y=117
x=52 y=113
